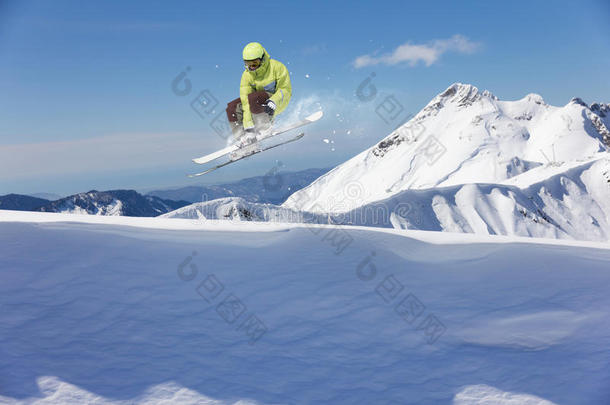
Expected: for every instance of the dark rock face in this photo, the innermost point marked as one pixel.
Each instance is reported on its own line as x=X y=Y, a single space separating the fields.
x=600 y=109
x=578 y=100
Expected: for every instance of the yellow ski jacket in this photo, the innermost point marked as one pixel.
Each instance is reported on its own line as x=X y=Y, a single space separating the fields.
x=271 y=76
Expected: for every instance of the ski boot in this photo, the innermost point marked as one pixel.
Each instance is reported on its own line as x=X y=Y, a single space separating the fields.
x=247 y=143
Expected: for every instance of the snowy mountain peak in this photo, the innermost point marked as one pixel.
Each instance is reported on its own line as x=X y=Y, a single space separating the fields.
x=460 y=92
x=458 y=95
x=462 y=136
x=464 y=94
x=488 y=94
x=534 y=98
x=578 y=100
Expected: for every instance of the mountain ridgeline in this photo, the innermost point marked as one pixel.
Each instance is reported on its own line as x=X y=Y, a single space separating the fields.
x=273 y=187
x=113 y=202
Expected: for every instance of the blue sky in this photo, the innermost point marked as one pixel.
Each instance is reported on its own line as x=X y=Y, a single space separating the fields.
x=86 y=98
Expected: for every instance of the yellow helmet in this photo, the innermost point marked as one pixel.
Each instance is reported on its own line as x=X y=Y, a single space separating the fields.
x=253 y=50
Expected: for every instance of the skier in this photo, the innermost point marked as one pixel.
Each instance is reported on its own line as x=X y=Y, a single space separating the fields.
x=264 y=92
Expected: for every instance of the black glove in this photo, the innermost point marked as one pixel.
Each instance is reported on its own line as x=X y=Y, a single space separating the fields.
x=270 y=107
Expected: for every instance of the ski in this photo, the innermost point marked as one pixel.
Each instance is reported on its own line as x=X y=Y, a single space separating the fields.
x=231 y=148
x=211 y=169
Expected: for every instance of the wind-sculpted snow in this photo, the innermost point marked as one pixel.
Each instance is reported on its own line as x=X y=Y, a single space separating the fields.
x=55 y=391
x=568 y=202
x=238 y=209
x=485 y=395
x=124 y=310
x=463 y=136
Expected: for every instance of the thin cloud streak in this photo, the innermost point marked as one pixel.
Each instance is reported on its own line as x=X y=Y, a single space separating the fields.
x=111 y=152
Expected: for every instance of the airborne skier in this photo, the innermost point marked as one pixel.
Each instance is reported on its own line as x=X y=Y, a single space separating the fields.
x=264 y=92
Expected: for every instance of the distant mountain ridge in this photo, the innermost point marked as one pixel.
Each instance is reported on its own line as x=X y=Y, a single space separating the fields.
x=19 y=202
x=113 y=202
x=46 y=196
x=273 y=187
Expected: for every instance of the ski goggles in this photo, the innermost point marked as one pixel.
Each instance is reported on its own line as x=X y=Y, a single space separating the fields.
x=253 y=64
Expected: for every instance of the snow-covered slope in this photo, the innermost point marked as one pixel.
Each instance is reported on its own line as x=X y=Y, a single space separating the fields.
x=462 y=136
x=239 y=209
x=571 y=202
x=564 y=201
x=124 y=310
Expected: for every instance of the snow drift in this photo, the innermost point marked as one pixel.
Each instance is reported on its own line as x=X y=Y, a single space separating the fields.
x=146 y=310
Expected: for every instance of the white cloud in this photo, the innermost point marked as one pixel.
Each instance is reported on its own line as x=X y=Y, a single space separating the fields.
x=413 y=53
